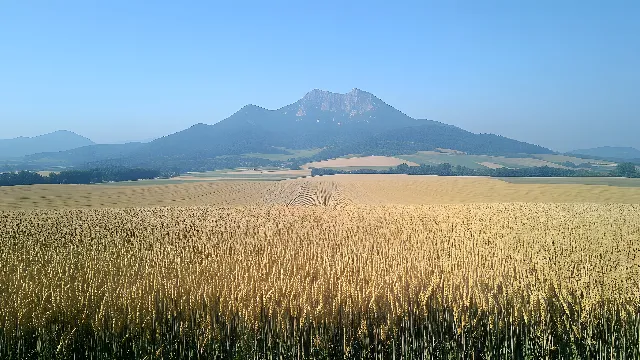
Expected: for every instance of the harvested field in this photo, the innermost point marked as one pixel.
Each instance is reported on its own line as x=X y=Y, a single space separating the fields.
x=491 y=165
x=376 y=161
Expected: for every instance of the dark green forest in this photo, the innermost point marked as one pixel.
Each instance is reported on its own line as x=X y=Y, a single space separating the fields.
x=90 y=176
x=624 y=169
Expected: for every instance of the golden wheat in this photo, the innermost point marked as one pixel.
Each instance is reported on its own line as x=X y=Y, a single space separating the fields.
x=496 y=280
x=331 y=191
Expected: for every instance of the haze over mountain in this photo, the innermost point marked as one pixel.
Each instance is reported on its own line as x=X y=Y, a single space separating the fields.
x=56 y=141
x=85 y=154
x=356 y=122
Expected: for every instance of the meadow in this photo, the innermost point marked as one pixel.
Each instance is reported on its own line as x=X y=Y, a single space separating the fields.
x=354 y=266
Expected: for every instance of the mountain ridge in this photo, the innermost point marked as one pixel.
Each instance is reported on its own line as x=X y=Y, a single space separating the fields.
x=60 y=140
x=339 y=123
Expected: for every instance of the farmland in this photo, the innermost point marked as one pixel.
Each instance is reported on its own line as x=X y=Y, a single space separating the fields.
x=324 y=267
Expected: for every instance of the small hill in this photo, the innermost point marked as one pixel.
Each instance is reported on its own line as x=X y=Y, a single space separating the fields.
x=61 y=140
x=203 y=140
x=84 y=154
x=613 y=152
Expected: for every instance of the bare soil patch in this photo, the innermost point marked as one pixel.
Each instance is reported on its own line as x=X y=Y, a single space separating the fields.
x=360 y=161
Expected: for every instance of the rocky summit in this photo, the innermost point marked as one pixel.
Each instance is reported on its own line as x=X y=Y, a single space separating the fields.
x=356 y=102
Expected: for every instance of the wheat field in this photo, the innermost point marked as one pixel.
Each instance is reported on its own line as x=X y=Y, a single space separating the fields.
x=359 y=189
x=328 y=267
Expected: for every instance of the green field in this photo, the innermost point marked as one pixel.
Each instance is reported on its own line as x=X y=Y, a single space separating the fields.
x=208 y=176
x=475 y=161
x=610 y=181
x=152 y=182
x=295 y=154
x=564 y=158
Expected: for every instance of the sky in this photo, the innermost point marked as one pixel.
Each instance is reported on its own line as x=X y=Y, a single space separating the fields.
x=562 y=74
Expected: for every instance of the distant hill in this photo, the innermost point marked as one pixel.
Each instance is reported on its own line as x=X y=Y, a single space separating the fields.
x=353 y=123
x=612 y=152
x=84 y=154
x=56 y=141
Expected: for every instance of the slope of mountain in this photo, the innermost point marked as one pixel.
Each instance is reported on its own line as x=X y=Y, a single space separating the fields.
x=610 y=152
x=56 y=141
x=203 y=140
x=430 y=135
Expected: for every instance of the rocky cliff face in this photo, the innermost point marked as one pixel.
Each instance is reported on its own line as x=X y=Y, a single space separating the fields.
x=356 y=102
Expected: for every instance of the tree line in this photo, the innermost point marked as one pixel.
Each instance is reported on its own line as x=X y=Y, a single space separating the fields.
x=628 y=170
x=88 y=176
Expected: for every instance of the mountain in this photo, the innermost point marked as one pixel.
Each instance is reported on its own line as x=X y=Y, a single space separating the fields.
x=341 y=123
x=613 y=152
x=319 y=119
x=431 y=135
x=356 y=122
x=56 y=141
x=84 y=154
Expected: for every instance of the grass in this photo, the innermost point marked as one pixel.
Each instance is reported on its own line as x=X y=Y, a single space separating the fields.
x=564 y=158
x=151 y=182
x=300 y=153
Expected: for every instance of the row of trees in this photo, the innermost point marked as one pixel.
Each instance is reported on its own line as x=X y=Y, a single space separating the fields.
x=446 y=169
x=183 y=164
x=89 y=176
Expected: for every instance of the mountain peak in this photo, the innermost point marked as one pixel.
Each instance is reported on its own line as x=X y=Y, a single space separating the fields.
x=355 y=102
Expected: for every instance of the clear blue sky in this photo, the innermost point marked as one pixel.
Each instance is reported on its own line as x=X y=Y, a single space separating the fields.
x=563 y=74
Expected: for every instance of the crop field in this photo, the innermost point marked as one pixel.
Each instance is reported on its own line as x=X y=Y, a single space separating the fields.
x=480 y=161
x=372 y=266
x=120 y=196
x=416 y=190
x=294 y=154
x=360 y=189
x=610 y=181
